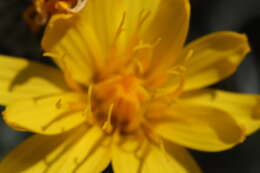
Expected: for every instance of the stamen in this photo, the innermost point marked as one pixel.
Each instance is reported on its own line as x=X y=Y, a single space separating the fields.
x=177 y=70
x=88 y=111
x=178 y=90
x=119 y=29
x=139 y=66
x=188 y=56
x=88 y=114
x=144 y=58
x=90 y=90
x=107 y=127
x=139 y=61
x=143 y=16
x=157 y=41
x=135 y=37
x=72 y=106
x=63 y=105
x=180 y=72
x=113 y=60
x=134 y=40
x=58 y=104
x=142 y=46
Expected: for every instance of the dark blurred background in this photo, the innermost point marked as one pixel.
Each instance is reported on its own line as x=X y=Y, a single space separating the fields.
x=207 y=16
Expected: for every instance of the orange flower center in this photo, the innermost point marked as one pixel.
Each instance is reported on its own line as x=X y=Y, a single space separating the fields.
x=117 y=103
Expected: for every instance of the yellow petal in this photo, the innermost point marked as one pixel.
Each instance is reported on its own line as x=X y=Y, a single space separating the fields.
x=152 y=159
x=50 y=115
x=170 y=25
x=214 y=58
x=200 y=127
x=78 y=151
x=109 y=31
x=184 y=161
x=124 y=156
x=244 y=108
x=21 y=79
x=173 y=159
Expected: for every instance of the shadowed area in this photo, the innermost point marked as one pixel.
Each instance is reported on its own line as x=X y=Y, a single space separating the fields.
x=33 y=70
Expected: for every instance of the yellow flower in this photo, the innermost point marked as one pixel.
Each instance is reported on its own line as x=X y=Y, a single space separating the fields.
x=132 y=95
x=41 y=10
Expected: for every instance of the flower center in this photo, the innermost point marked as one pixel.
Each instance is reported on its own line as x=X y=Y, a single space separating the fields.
x=117 y=103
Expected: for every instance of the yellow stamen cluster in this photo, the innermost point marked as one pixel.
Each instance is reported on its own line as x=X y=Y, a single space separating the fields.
x=117 y=103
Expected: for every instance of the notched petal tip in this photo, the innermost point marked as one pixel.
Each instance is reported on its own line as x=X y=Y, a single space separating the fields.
x=246 y=46
x=243 y=132
x=226 y=50
x=242 y=40
x=256 y=113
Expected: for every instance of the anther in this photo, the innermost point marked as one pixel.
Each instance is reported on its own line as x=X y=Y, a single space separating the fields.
x=63 y=105
x=139 y=66
x=189 y=55
x=58 y=104
x=88 y=114
x=107 y=127
x=157 y=42
x=143 y=16
x=142 y=46
x=177 y=70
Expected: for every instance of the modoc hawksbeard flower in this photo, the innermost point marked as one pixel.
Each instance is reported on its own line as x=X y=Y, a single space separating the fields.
x=132 y=95
x=41 y=10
